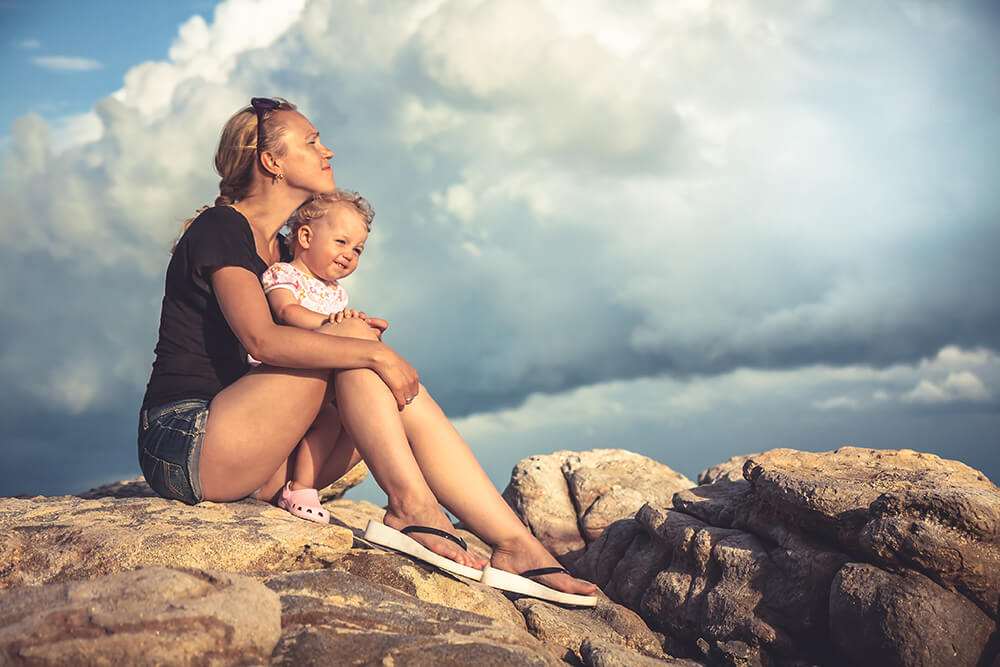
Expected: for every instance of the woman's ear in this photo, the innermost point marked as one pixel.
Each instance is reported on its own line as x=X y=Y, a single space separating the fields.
x=304 y=236
x=269 y=164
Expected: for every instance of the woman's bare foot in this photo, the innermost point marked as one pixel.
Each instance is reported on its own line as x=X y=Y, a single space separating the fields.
x=527 y=553
x=434 y=518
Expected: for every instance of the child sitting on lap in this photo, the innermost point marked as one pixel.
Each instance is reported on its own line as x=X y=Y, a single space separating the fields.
x=328 y=235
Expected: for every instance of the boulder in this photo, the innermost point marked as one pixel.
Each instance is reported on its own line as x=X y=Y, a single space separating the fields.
x=146 y=617
x=740 y=568
x=568 y=499
x=597 y=653
x=904 y=619
x=66 y=538
x=607 y=622
x=329 y=613
x=538 y=492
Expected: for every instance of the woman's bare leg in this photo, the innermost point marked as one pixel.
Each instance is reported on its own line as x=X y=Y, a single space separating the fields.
x=418 y=458
x=370 y=416
x=255 y=423
x=253 y=426
x=461 y=484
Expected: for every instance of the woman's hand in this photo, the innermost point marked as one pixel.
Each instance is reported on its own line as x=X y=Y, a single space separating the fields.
x=395 y=371
x=377 y=323
x=399 y=376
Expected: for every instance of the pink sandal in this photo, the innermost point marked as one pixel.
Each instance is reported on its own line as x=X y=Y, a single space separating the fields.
x=303 y=503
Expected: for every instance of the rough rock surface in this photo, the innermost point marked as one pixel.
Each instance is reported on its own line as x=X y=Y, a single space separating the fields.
x=569 y=498
x=65 y=538
x=877 y=617
x=146 y=617
x=852 y=557
x=330 y=593
x=740 y=571
x=328 y=613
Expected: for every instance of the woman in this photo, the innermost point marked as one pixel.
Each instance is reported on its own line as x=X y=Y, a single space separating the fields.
x=211 y=430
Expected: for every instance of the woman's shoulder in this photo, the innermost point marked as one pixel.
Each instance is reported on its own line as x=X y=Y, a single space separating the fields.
x=220 y=220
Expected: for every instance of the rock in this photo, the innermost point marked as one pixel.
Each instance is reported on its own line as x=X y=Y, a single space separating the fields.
x=741 y=569
x=898 y=508
x=731 y=470
x=608 y=508
x=881 y=619
x=568 y=498
x=602 y=654
x=848 y=557
x=608 y=623
x=829 y=493
x=429 y=584
x=952 y=534
x=605 y=553
x=126 y=488
x=330 y=616
x=539 y=494
x=65 y=538
x=348 y=481
x=145 y=617
x=610 y=484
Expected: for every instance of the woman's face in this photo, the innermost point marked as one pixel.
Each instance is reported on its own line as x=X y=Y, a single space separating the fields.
x=306 y=163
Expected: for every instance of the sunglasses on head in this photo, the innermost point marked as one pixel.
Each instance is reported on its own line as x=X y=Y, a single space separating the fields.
x=262 y=105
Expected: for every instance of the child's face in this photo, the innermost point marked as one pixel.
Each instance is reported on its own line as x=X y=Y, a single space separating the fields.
x=331 y=246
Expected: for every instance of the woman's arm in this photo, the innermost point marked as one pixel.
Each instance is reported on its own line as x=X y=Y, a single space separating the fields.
x=245 y=308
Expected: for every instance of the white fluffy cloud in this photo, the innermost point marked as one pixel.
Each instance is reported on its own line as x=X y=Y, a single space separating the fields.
x=564 y=199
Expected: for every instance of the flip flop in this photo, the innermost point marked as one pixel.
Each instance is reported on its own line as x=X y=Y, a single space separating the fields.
x=397 y=540
x=520 y=583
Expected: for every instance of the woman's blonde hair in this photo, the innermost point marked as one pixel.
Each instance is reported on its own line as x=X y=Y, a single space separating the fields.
x=317 y=206
x=237 y=156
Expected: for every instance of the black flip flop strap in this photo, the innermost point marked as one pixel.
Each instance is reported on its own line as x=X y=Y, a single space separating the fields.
x=545 y=570
x=434 y=531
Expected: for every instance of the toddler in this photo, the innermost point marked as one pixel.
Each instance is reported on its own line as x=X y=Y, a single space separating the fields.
x=327 y=237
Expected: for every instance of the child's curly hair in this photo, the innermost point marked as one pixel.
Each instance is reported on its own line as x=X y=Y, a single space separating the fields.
x=317 y=206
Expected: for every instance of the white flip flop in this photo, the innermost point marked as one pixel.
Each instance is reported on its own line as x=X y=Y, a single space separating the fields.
x=520 y=583
x=390 y=538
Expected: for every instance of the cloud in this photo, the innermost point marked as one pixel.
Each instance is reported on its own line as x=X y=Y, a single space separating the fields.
x=786 y=198
x=836 y=403
x=961 y=386
x=29 y=44
x=66 y=63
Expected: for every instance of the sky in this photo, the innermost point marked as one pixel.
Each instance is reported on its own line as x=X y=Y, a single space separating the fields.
x=693 y=230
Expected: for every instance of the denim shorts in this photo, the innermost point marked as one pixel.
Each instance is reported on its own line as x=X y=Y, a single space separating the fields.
x=170 y=438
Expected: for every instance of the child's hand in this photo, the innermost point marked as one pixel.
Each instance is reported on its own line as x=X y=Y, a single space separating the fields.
x=347 y=313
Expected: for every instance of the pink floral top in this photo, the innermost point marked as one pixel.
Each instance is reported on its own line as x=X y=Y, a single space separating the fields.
x=316 y=295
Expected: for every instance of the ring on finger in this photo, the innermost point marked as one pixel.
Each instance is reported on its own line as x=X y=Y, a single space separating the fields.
x=409 y=400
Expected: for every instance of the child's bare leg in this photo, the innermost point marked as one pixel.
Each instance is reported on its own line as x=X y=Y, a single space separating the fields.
x=315 y=448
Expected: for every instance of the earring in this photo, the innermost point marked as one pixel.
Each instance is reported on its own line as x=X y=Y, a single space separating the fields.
x=277 y=177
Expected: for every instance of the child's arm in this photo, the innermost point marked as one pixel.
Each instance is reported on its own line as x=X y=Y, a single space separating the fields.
x=288 y=311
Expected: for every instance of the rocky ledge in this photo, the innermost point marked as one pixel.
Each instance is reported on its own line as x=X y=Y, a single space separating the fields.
x=851 y=557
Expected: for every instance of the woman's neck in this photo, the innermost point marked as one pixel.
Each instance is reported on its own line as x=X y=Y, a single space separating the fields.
x=267 y=214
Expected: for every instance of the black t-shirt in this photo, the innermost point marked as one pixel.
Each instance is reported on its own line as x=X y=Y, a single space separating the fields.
x=197 y=354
